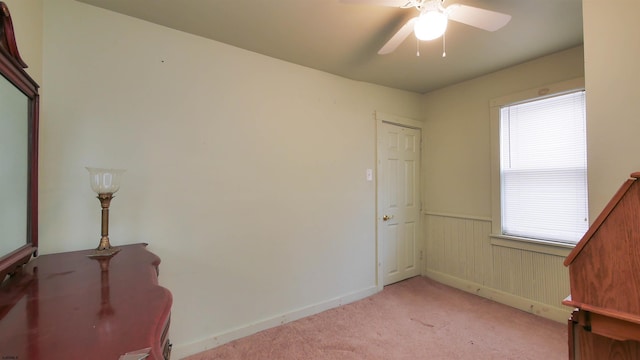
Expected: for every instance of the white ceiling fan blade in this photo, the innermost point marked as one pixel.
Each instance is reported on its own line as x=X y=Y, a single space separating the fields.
x=476 y=17
x=398 y=38
x=392 y=3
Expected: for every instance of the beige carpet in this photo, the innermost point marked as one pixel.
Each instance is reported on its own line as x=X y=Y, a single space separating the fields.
x=414 y=319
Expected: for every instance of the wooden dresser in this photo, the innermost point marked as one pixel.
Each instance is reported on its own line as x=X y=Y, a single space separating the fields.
x=604 y=273
x=70 y=306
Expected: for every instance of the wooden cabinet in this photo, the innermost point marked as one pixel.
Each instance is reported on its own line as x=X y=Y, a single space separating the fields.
x=604 y=272
x=71 y=306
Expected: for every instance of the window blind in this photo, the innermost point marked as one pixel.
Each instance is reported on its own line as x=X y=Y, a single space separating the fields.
x=544 y=168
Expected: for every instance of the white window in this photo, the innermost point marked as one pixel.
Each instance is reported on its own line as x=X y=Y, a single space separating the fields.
x=543 y=167
x=540 y=162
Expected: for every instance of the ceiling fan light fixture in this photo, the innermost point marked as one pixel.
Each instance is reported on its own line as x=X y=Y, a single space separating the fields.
x=430 y=25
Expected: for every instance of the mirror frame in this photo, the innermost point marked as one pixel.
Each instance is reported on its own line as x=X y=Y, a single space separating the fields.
x=12 y=68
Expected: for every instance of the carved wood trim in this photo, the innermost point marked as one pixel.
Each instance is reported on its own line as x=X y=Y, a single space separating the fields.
x=7 y=36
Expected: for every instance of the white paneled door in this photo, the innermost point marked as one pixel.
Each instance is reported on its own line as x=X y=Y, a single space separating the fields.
x=400 y=207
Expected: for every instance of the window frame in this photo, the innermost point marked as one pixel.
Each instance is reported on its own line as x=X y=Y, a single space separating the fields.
x=546 y=246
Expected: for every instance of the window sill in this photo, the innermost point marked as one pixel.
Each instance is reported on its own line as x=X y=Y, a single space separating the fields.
x=540 y=246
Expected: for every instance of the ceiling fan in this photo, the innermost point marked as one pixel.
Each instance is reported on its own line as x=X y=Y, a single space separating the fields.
x=432 y=21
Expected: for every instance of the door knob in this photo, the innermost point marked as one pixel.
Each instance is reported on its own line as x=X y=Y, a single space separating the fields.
x=387 y=217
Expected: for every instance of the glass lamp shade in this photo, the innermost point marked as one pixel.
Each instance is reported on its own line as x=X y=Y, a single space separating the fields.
x=430 y=25
x=105 y=181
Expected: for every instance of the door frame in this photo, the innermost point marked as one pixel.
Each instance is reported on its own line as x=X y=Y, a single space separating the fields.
x=381 y=118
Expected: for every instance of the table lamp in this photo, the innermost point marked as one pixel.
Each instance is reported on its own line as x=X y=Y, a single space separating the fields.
x=105 y=182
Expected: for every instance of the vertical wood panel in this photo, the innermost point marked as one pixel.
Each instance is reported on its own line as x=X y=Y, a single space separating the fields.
x=434 y=249
x=410 y=245
x=461 y=248
x=391 y=250
x=532 y=275
x=410 y=186
x=393 y=181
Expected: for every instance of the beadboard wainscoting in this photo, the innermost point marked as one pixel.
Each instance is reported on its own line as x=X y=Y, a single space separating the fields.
x=461 y=252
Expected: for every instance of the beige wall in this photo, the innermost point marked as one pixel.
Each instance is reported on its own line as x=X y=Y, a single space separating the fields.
x=457 y=138
x=245 y=174
x=457 y=161
x=612 y=50
x=458 y=212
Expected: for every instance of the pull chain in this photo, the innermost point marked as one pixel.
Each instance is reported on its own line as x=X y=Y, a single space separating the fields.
x=444 y=44
x=417 y=47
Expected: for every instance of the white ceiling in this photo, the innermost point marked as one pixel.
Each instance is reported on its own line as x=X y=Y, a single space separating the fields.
x=343 y=39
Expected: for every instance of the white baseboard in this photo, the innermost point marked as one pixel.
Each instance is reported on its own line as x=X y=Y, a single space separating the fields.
x=559 y=314
x=180 y=351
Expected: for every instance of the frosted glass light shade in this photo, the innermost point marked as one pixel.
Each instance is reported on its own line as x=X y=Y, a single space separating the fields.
x=105 y=181
x=430 y=25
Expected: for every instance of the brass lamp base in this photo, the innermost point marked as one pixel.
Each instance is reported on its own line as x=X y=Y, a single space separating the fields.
x=104 y=250
x=104 y=253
